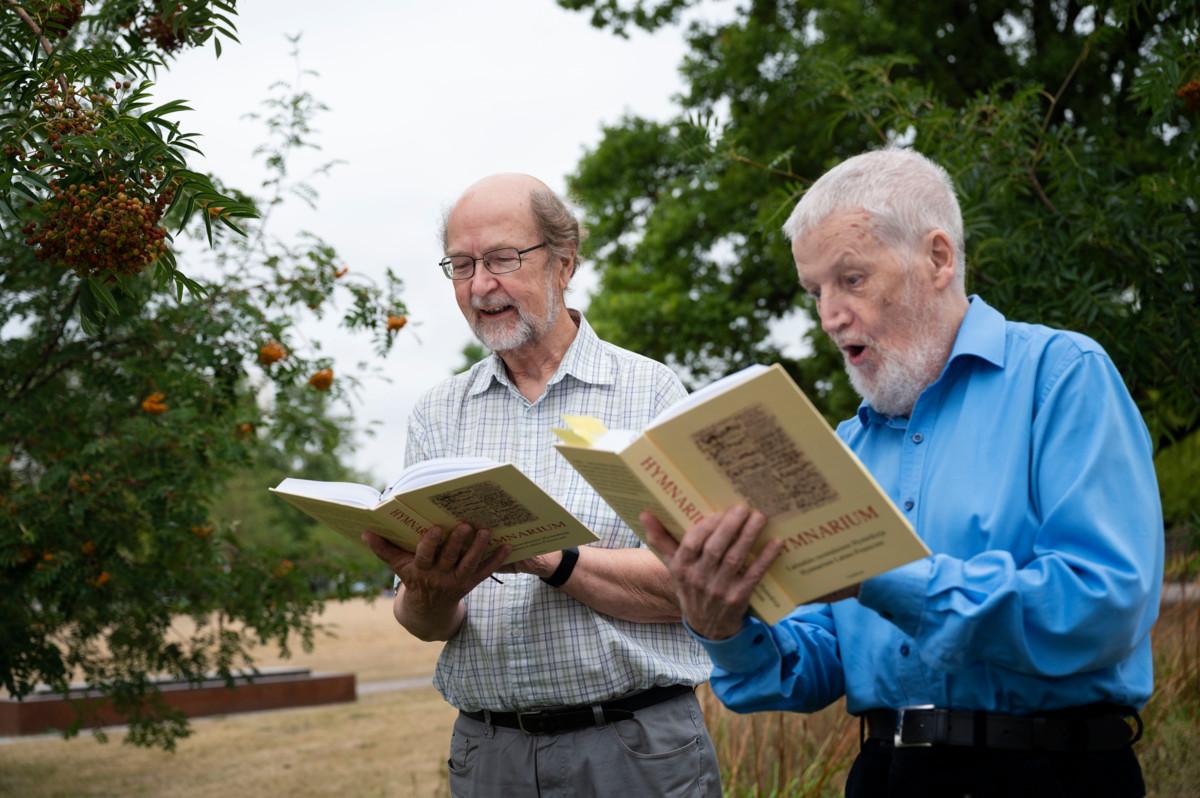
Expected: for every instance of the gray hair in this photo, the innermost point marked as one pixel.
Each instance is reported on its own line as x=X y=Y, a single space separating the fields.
x=555 y=222
x=906 y=194
x=557 y=226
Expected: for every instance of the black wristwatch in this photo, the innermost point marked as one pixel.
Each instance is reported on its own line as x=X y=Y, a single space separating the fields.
x=565 y=566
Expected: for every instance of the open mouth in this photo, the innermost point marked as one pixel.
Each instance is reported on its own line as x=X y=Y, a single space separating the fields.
x=854 y=353
x=496 y=311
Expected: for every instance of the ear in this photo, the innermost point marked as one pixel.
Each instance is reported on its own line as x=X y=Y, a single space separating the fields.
x=940 y=257
x=569 y=264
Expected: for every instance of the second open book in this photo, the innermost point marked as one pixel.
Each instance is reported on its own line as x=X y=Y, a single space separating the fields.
x=752 y=437
x=444 y=491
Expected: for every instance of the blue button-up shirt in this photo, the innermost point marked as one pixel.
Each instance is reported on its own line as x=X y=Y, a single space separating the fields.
x=1026 y=468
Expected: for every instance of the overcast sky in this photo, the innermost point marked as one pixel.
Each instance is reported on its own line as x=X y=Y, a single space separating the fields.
x=425 y=97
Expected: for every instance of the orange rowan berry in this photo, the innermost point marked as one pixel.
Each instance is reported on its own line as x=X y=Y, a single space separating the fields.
x=165 y=31
x=101 y=579
x=270 y=352
x=202 y=531
x=341 y=272
x=284 y=568
x=322 y=379
x=88 y=548
x=109 y=226
x=153 y=404
x=1190 y=94
x=245 y=429
x=396 y=322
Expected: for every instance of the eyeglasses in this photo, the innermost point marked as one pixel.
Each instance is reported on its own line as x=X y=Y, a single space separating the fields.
x=498 y=261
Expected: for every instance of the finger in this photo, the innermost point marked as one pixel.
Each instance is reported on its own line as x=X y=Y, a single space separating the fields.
x=738 y=553
x=657 y=536
x=427 y=549
x=692 y=545
x=762 y=562
x=452 y=549
x=395 y=557
x=493 y=562
x=475 y=552
x=728 y=527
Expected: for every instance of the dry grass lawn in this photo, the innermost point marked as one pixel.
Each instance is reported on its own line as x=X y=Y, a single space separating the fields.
x=387 y=744
x=363 y=638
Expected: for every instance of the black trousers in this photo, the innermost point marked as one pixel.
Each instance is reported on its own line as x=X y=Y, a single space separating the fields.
x=881 y=771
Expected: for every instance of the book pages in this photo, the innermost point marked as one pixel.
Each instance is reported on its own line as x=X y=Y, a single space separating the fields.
x=481 y=492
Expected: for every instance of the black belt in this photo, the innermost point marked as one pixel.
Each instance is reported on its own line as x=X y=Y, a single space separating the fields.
x=1081 y=729
x=562 y=719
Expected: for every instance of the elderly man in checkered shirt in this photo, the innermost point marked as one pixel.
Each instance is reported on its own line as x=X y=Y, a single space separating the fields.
x=573 y=676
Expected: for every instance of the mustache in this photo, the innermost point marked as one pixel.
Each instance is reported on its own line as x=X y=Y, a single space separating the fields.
x=491 y=301
x=842 y=341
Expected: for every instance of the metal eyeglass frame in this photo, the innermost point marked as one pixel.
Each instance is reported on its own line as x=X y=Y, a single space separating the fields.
x=448 y=266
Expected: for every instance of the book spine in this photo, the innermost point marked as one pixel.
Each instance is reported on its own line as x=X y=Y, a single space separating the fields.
x=401 y=515
x=684 y=506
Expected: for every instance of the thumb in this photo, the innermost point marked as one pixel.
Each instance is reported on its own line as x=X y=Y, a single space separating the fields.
x=658 y=537
x=395 y=557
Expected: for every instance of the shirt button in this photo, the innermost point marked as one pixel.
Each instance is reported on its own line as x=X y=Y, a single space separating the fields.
x=904 y=649
x=908 y=504
x=917 y=437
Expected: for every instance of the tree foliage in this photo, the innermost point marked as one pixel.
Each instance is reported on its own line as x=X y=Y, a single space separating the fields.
x=1069 y=128
x=133 y=392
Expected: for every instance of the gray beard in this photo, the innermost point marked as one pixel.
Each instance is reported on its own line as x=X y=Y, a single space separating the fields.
x=899 y=379
x=527 y=330
x=901 y=376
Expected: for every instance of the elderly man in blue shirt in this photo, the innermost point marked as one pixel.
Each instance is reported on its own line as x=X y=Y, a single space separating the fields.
x=1013 y=659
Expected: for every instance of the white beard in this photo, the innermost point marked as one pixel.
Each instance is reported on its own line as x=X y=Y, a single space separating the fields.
x=527 y=329
x=900 y=376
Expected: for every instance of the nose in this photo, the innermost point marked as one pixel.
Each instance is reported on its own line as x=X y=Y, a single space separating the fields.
x=482 y=281
x=834 y=315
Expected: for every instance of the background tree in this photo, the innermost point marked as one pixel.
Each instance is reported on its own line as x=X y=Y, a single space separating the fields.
x=132 y=393
x=1070 y=130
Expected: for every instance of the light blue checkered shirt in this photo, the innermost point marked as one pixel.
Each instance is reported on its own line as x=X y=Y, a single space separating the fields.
x=525 y=644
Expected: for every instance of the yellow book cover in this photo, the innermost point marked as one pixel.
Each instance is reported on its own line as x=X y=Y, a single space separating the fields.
x=753 y=437
x=444 y=491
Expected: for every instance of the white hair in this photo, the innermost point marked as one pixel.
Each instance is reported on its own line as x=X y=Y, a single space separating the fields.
x=906 y=194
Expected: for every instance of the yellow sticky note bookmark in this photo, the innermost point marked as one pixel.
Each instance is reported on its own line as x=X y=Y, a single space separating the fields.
x=581 y=430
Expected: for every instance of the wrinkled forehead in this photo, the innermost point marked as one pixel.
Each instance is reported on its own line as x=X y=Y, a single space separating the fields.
x=490 y=220
x=841 y=230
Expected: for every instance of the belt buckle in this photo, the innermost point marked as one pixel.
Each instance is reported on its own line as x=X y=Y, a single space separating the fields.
x=898 y=735
x=521 y=716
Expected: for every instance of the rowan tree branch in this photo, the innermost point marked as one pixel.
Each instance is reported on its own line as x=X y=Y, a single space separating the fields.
x=32 y=25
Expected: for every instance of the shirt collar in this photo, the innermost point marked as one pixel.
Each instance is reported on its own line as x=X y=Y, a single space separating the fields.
x=980 y=335
x=586 y=360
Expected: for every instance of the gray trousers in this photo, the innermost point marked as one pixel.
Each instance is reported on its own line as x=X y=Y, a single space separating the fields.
x=663 y=751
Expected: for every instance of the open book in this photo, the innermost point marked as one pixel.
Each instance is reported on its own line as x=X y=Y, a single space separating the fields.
x=752 y=437
x=444 y=491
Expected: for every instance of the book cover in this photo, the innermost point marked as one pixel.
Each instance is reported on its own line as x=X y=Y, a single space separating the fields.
x=498 y=497
x=754 y=437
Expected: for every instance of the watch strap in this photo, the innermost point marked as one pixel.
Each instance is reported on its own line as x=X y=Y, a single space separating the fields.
x=565 y=566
